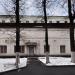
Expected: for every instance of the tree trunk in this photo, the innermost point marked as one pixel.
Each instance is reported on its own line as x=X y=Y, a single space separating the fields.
x=46 y=32
x=71 y=17
x=47 y=58
x=17 y=60
x=73 y=57
x=17 y=34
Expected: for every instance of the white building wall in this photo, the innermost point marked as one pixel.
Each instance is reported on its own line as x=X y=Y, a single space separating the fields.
x=56 y=37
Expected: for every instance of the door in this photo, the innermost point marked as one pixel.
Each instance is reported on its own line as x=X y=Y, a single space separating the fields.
x=31 y=50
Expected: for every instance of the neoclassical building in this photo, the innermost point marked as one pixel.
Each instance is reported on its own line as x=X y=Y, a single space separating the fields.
x=32 y=40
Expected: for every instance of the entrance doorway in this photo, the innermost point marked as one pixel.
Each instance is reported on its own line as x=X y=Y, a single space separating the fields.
x=31 y=50
x=31 y=47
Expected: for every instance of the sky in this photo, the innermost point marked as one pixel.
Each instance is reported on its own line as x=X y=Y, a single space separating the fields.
x=2 y=11
x=54 y=10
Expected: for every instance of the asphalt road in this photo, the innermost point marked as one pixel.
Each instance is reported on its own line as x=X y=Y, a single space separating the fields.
x=35 y=67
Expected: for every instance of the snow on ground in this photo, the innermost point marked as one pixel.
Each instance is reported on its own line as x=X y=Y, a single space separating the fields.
x=57 y=61
x=9 y=64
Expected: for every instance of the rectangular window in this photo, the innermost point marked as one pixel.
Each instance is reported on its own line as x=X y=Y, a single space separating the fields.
x=3 y=21
x=65 y=21
x=42 y=21
x=62 y=49
x=27 y=21
x=21 y=49
x=11 y=21
x=57 y=21
x=50 y=21
x=3 y=49
x=45 y=48
x=35 y=21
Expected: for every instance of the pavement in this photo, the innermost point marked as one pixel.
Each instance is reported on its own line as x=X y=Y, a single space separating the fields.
x=35 y=67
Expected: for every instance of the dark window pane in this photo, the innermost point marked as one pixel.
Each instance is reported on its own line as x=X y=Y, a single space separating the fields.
x=45 y=48
x=3 y=21
x=27 y=21
x=65 y=21
x=35 y=21
x=21 y=49
x=50 y=21
x=14 y=48
x=62 y=49
x=57 y=21
x=42 y=21
x=3 y=49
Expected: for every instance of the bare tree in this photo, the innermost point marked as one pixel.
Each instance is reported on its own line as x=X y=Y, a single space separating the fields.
x=8 y=6
x=43 y=6
x=22 y=5
x=71 y=12
x=46 y=31
x=16 y=12
x=51 y=6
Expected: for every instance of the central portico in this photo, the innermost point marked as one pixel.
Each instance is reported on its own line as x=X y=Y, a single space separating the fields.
x=31 y=47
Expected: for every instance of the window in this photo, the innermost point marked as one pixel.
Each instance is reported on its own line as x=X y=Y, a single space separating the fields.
x=57 y=21
x=3 y=49
x=50 y=21
x=21 y=49
x=45 y=48
x=65 y=21
x=3 y=21
x=35 y=21
x=27 y=21
x=19 y=21
x=62 y=49
x=11 y=21
x=42 y=21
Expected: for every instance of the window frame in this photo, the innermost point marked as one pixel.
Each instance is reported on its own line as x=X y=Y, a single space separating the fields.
x=62 y=49
x=45 y=48
x=22 y=49
x=3 y=48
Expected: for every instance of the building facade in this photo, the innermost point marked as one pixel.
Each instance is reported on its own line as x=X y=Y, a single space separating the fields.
x=32 y=40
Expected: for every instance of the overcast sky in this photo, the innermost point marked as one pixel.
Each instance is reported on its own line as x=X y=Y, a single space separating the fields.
x=55 y=10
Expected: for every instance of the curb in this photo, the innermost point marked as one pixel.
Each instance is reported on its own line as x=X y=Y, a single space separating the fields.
x=60 y=66
x=13 y=70
x=56 y=65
